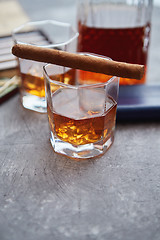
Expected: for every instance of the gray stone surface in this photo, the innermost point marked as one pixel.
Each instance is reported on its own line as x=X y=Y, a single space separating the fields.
x=47 y=196
x=44 y=195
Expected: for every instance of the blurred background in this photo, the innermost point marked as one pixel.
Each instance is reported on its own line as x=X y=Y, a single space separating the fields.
x=15 y=12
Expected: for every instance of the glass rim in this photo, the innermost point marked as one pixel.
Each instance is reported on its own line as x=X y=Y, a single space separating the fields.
x=32 y=23
x=93 y=85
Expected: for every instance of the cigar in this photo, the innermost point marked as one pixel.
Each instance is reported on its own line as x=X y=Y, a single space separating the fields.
x=78 y=61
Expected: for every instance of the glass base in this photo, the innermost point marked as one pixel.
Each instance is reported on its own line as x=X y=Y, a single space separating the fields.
x=34 y=103
x=82 y=151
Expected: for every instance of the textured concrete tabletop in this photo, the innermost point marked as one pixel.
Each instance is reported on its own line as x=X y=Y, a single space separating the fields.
x=47 y=196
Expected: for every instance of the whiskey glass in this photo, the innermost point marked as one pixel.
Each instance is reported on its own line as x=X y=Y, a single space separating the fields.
x=81 y=110
x=45 y=34
x=119 y=29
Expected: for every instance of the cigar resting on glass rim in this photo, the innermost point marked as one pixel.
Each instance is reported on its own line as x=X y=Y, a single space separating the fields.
x=78 y=61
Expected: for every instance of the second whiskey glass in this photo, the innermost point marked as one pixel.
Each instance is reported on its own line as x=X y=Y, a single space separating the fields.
x=45 y=34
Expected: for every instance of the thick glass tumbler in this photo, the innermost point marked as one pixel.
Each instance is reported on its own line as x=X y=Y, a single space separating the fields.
x=45 y=34
x=81 y=111
x=119 y=29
